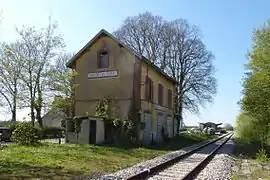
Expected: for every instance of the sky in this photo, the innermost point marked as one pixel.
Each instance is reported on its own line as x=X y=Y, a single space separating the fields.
x=226 y=25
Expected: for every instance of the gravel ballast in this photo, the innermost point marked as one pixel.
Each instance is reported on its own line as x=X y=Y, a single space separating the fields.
x=138 y=168
x=220 y=167
x=180 y=169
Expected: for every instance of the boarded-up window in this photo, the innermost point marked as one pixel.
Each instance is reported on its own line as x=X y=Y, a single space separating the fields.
x=103 y=60
x=169 y=98
x=160 y=94
x=149 y=89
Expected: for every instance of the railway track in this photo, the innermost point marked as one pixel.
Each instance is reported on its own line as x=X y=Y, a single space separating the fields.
x=185 y=167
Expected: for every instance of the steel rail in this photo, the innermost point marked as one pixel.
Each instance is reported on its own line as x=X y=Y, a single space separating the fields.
x=197 y=169
x=153 y=170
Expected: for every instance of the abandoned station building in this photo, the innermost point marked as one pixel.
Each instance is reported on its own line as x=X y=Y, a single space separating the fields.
x=107 y=68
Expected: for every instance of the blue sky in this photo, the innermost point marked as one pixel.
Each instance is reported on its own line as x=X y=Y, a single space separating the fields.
x=226 y=25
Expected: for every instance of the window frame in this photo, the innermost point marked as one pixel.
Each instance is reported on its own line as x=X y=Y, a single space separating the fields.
x=160 y=94
x=99 y=59
x=149 y=89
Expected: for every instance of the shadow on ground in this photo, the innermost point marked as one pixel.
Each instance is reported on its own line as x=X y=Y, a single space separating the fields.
x=175 y=143
x=248 y=149
x=25 y=171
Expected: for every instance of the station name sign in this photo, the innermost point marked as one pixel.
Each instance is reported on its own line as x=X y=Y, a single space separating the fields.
x=102 y=74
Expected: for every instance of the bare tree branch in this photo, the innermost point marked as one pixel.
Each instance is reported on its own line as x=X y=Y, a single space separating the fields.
x=10 y=72
x=176 y=47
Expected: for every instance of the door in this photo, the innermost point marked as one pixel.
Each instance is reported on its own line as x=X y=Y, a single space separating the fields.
x=147 y=131
x=175 y=126
x=160 y=124
x=169 y=126
x=92 y=132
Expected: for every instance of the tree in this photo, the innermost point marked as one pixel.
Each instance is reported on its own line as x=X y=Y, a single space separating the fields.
x=144 y=34
x=256 y=85
x=176 y=47
x=10 y=73
x=228 y=127
x=190 y=63
x=62 y=86
x=38 y=49
x=245 y=127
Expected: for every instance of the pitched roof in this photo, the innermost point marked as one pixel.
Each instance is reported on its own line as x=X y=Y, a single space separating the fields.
x=211 y=123
x=104 y=32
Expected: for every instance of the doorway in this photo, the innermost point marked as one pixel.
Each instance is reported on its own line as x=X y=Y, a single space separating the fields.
x=92 y=132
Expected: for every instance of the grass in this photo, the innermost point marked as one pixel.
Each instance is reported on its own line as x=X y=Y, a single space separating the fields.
x=67 y=161
x=258 y=164
x=181 y=141
x=257 y=170
x=248 y=150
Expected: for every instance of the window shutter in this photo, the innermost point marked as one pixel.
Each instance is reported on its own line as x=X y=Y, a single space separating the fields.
x=169 y=98
x=160 y=94
x=152 y=91
x=146 y=87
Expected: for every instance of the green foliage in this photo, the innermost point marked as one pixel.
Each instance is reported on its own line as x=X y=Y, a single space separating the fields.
x=246 y=128
x=62 y=104
x=261 y=156
x=24 y=134
x=102 y=108
x=256 y=91
x=131 y=123
x=62 y=84
x=10 y=73
x=78 y=123
x=108 y=109
x=52 y=132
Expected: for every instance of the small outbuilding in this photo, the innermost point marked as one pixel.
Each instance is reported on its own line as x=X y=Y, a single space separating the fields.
x=92 y=130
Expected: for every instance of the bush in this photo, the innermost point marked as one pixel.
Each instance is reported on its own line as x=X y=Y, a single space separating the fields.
x=24 y=134
x=261 y=156
x=52 y=132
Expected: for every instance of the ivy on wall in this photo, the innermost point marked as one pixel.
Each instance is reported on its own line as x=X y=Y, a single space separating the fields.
x=131 y=123
x=108 y=109
x=77 y=120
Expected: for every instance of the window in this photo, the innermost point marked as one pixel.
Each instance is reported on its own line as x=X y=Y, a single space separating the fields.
x=169 y=98
x=149 y=89
x=103 y=61
x=160 y=94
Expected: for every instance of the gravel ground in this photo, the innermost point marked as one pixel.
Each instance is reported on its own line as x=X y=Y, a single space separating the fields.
x=220 y=167
x=181 y=168
x=125 y=173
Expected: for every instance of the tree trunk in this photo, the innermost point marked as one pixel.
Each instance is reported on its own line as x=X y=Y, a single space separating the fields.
x=180 y=116
x=32 y=107
x=13 y=114
x=179 y=111
x=32 y=114
x=14 y=108
x=38 y=105
x=38 y=117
